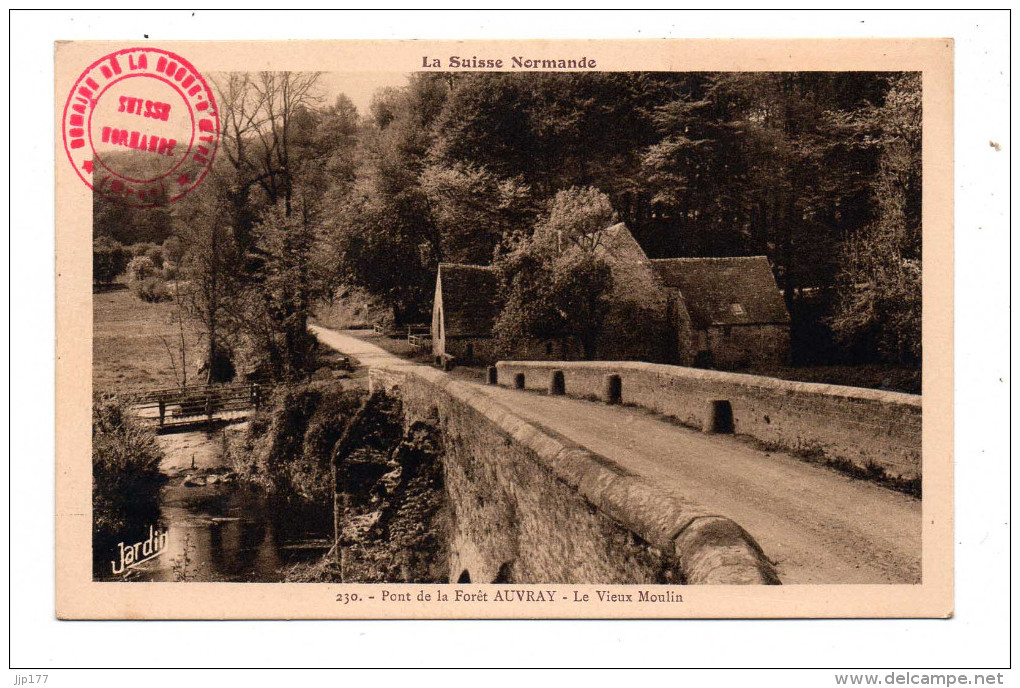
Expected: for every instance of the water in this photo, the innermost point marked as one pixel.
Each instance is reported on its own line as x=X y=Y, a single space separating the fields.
x=216 y=532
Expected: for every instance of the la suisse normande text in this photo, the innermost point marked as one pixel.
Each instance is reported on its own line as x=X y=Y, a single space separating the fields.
x=516 y=62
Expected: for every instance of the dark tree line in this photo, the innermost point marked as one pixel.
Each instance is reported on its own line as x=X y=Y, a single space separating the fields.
x=818 y=171
x=813 y=169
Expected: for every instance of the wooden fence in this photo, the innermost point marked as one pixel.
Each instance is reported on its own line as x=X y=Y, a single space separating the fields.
x=195 y=404
x=416 y=330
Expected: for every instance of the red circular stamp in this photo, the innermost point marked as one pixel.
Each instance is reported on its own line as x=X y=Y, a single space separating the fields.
x=141 y=127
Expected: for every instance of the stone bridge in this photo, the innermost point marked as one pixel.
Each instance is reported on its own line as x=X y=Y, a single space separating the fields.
x=544 y=488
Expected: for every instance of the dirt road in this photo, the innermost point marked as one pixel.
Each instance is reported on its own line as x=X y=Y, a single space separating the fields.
x=817 y=525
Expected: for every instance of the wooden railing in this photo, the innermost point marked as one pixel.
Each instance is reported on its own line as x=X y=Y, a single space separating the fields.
x=420 y=342
x=197 y=403
x=418 y=329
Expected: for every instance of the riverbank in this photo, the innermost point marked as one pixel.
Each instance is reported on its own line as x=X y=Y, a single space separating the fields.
x=393 y=502
x=215 y=528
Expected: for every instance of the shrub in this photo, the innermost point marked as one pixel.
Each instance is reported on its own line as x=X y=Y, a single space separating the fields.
x=287 y=450
x=156 y=255
x=146 y=280
x=141 y=248
x=141 y=268
x=109 y=259
x=151 y=289
x=173 y=249
x=125 y=468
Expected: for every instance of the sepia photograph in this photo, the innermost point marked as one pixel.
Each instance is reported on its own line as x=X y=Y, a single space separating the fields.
x=505 y=332
x=699 y=292
x=346 y=344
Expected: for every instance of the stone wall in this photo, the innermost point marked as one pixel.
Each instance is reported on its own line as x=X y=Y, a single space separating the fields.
x=530 y=507
x=863 y=426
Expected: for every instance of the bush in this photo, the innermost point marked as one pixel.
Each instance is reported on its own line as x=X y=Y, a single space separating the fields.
x=141 y=248
x=156 y=255
x=151 y=289
x=109 y=259
x=146 y=280
x=173 y=249
x=287 y=450
x=141 y=268
x=125 y=468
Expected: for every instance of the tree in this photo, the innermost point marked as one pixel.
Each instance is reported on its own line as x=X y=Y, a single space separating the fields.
x=109 y=259
x=474 y=210
x=265 y=119
x=382 y=251
x=553 y=130
x=293 y=275
x=384 y=234
x=212 y=269
x=750 y=163
x=553 y=284
x=879 y=283
x=290 y=157
x=141 y=268
x=129 y=225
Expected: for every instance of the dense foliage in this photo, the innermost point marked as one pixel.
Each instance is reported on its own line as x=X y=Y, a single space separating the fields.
x=819 y=171
x=552 y=282
x=287 y=450
x=109 y=259
x=125 y=469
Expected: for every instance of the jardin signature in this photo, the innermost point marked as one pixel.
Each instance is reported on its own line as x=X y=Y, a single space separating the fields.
x=140 y=552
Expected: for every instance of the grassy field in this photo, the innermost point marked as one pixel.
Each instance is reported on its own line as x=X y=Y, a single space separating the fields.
x=127 y=352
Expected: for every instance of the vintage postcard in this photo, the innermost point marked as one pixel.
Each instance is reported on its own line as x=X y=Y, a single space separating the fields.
x=504 y=329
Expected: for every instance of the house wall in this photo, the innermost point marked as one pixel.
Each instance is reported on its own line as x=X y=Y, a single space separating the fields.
x=548 y=350
x=742 y=346
x=864 y=426
x=685 y=345
x=438 y=331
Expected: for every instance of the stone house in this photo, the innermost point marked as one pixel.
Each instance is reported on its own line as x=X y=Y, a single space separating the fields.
x=713 y=312
x=726 y=312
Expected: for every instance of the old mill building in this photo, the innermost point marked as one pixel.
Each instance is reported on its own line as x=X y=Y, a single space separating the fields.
x=725 y=313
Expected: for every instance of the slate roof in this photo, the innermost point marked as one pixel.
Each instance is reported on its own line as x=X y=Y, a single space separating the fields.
x=725 y=291
x=470 y=296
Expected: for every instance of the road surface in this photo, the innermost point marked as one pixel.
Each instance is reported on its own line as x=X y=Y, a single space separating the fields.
x=815 y=524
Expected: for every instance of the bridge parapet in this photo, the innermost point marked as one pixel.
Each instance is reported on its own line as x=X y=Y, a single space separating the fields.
x=866 y=427
x=530 y=506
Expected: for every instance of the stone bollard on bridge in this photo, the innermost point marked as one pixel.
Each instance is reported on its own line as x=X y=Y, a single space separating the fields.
x=612 y=389
x=718 y=417
x=492 y=375
x=557 y=386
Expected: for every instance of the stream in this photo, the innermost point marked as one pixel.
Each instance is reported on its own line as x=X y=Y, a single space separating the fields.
x=210 y=528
